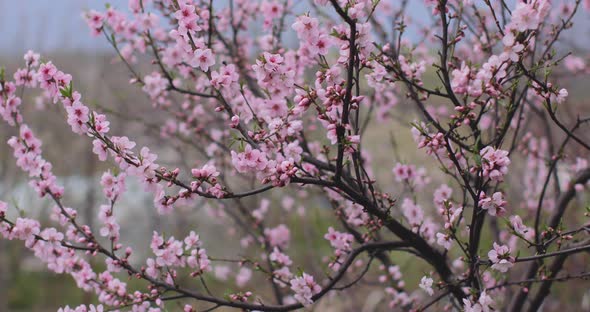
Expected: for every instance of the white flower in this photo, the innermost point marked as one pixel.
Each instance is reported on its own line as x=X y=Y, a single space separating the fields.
x=468 y=306
x=444 y=240
x=426 y=285
x=485 y=301
x=500 y=258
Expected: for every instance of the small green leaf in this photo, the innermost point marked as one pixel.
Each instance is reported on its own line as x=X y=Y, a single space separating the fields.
x=477 y=159
x=64 y=92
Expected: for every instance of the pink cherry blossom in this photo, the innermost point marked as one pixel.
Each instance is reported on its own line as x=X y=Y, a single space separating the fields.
x=305 y=287
x=203 y=59
x=500 y=258
x=494 y=205
x=426 y=285
x=494 y=163
x=278 y=236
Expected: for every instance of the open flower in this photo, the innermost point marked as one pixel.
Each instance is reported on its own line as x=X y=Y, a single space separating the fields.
x=500 y=258
x=426 y=285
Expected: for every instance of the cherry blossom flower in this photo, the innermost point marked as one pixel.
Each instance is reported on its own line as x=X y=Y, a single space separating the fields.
x=304 y=287
x=280 y=258
x=500 y=258
x=203 y=59
x=518 y=225
x=426 y=285
x=339 y=241
x=444 y=240
x=494 y=163
x=495 y=205
x=243 y=277
x=278 y=236
x=154 y=85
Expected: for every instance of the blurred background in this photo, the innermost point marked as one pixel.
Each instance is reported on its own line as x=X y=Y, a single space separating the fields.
x=56 y=29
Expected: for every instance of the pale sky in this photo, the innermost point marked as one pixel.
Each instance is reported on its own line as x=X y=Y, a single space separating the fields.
x=47 y=25
x=53 y=25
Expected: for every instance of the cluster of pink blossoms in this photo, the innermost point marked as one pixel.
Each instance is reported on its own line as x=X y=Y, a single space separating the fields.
x=313 y=40
x=485 y=303
x=305 y=287
x=494 y=205
x=418 y=221
x=415 y=177
x=278 y=171
x=282 y=263
x=113 y=186
x=342 y=244
x=226 y=77
x=275 y=74
x=171 y=253
x=27 y=151
x=494 y=163
x=50 y=246
x=278 y=236
x=49 y=241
